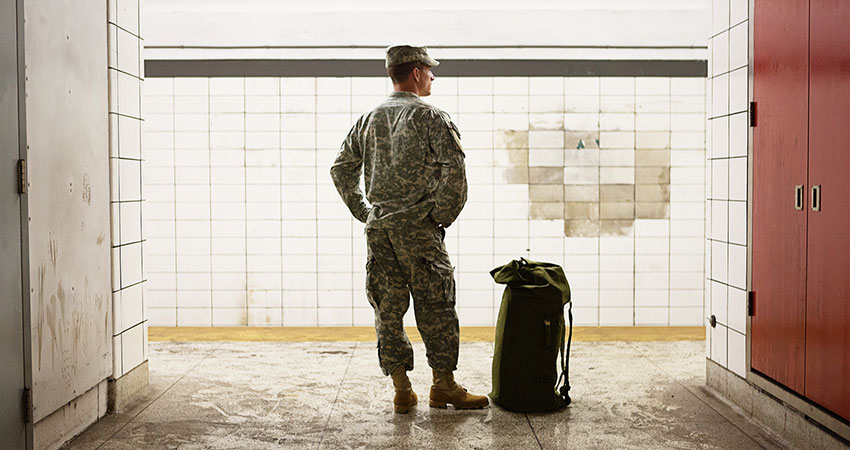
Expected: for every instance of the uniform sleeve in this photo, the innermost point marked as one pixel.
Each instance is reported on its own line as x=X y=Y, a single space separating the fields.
x=346 y=171
x=451 y=192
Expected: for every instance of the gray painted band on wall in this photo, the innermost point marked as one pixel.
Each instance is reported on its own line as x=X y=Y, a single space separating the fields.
x=450 y=68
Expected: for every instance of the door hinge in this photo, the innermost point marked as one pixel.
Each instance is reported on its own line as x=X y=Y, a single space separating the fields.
x=751 y=303
x=26 y=402
x=752 y=114
x=22 y=176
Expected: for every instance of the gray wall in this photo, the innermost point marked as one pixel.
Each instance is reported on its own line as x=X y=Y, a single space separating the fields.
x=67 y=132
x=575 y=29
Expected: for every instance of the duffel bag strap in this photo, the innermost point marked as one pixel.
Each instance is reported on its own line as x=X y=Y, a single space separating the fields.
x=564 y=389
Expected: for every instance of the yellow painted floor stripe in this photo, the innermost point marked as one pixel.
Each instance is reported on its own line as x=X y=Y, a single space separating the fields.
x=367 y=334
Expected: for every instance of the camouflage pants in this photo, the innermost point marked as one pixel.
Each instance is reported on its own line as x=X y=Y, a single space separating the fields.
x=402 y=262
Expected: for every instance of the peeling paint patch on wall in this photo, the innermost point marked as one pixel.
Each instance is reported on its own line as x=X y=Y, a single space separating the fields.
x=616 y=154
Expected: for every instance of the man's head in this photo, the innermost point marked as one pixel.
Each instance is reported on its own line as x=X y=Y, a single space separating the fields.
x=410 y=69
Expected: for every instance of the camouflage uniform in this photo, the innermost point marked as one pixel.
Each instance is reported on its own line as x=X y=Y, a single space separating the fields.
x=415 y=182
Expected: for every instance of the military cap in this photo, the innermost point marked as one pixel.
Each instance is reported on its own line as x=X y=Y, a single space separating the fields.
x=401 y=54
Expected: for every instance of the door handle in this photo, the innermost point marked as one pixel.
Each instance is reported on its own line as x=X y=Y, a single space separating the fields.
x=798 y=197
x=816 y=197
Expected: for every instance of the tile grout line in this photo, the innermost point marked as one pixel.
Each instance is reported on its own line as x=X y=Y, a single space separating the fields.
x=493 y=301
x=157 y=397
x=210 y=192
x=351 y=225
x=533 y=433
x=336 y=397
x=245 y=176
x=598 y=129
x=527 y=164
x=282 y=146
x=634 y=203
x=643 y=355
x=314 y=169
x=174 y=199
x=670 y=201
x=728 y=182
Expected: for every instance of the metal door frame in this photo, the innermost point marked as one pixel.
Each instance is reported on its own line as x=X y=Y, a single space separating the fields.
x=23 y=151
x=765 y=385
x=20 y=74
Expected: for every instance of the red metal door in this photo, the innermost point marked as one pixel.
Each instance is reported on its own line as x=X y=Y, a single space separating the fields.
x=780 y=89
x=828 y=268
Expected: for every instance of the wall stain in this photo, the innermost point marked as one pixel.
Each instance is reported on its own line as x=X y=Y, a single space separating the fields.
x=249 y=301
x=60 y=294
x=79 y=329
x=87 y=189
x=39 y=324
x=100 y=239
x=581 y=228
x=53 y=250
x=581 y=140
x=514 y=139
x=81 y=332
x=651 y=174
x=548 y=122
x=51 y=325
x=99 y=298
x=515 y=144
x=617 y=227
x=68 y=356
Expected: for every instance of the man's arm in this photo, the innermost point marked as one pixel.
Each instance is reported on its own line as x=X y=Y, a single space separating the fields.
x=346 y=171
x=450 y=195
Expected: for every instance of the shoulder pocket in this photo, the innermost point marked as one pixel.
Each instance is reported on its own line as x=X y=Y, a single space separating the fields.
x=453 y=130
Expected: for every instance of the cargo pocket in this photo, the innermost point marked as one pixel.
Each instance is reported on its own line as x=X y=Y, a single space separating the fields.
x=372 y=269
x=442 y=280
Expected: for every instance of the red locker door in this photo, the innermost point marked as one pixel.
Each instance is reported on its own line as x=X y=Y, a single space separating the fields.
x=828 y=290
x=780 y=89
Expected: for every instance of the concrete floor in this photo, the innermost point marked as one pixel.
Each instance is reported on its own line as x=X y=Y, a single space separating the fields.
x=260 y=395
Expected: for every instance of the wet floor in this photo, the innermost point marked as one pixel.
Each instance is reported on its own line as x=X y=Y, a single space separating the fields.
x=302 y=395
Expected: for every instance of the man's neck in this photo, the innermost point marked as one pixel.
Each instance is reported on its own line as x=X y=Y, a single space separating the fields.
x=405 y=88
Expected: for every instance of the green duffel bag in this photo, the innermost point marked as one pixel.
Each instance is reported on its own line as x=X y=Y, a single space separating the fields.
x=530 y=333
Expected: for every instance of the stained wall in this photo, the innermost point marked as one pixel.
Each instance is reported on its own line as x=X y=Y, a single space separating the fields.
x=603 y=175
x=68 y=197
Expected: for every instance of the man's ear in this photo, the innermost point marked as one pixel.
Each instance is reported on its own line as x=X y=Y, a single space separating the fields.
x=416 y=73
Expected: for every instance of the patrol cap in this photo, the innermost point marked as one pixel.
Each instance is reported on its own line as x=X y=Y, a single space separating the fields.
x=401 y=54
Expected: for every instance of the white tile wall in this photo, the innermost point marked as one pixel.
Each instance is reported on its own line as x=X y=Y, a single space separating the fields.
x=127 y=194
x=728 y=160
x=244 y=226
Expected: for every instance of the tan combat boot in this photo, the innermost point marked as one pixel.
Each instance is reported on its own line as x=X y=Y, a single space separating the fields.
x=445 y=390
x=404 y=395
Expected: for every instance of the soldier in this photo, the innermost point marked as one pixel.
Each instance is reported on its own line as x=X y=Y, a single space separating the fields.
x=415 y=181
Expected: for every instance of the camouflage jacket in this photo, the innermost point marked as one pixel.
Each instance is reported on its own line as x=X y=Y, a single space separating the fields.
x=413 y=165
